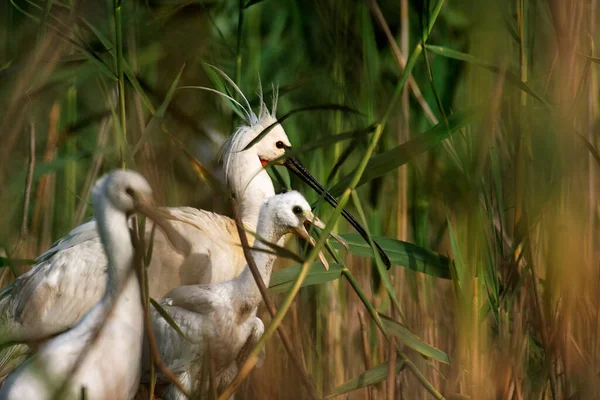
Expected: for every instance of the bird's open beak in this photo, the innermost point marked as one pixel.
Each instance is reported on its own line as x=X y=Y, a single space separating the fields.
x=303 y=233
x=146 y=207
x=294 y=165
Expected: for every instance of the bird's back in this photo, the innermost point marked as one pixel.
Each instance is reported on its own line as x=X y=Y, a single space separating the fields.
x=70 y=278
x=55 y=294
x=216 y=254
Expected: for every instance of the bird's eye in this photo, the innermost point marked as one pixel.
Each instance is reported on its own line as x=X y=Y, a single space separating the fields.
x=129 y=191
x=297 y=210
x=280 y=145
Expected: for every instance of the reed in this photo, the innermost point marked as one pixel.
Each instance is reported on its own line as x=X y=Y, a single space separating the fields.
x=472 y=160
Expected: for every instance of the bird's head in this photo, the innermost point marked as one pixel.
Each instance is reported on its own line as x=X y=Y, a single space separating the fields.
x=124 y=189
x=273 y=145
x=291 y=213
x=129 y=192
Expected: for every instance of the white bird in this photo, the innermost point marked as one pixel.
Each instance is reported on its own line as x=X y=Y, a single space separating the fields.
x=110 y=367
x=221 y=318
x=68 y=279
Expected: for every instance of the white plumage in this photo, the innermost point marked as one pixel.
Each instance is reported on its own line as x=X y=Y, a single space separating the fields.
x=110 y=367
x=68 y=280
x=221 y=318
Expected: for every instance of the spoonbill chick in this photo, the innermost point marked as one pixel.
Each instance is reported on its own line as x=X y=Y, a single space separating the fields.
x=219 y=320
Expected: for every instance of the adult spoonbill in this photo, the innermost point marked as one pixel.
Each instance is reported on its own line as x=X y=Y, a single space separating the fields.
x=221 y=318
x=68 y=279
x=109 y=368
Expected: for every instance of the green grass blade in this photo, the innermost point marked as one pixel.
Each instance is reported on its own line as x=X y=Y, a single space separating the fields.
x=252 y=2
x=326 y=141
x=283 y=279
x=412 y=341
x=391 y=160
x=368 y=378
x=121 y=81
x=409 y=255
x=590 y=147
x=15 y=262
x=126 y=67
x=163 y=313
x=381 y=269
x=277 y=250
x=322 y=107
x=510 y=77
x=150 y=250
x=44 y=21
x=458 y=268
x=281 y=92
x=160 y=113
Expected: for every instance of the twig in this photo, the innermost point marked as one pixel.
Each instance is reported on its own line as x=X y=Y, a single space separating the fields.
x=154 y=351
x=96 y=164
x=138 y=234
x=539 y=307
x=411 y=366
x=402 y=63
x=28 y=184
x=269 y=303
x=26 y=200
x=156 y=356
x=391 y=381
x=366 y=348
x=28 y=181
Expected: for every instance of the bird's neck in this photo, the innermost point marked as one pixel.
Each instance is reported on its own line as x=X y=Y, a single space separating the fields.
x=246 y=285
x=251 y=185
x=114 y=233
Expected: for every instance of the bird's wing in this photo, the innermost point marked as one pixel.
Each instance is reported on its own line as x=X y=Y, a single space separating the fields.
x=69 y=278
x=55 y=294
x=80 y=234
x=199 y=299
x=175 y=351
x=216 y=255
x=207 y=222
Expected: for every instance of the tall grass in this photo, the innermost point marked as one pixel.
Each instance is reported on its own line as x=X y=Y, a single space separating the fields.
x=486 y=162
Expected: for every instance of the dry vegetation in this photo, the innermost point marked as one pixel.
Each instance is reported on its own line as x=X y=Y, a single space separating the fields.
x=485 y=160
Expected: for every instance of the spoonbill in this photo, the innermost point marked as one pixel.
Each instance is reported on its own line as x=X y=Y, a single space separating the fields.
x=68 y=278
x=111 y=333
x=220 y=319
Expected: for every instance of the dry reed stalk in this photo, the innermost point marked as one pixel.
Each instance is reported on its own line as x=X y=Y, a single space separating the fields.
x=334 y=337
x=592 y=112
x=40 y=65
x=27 y=195
x=26 y=200
x=392 y=356
x=297 y=329
x=381 y=353
x=46 y=187
x=140 y=251
x=402 y=63
x=366 y=349
x=92 y=174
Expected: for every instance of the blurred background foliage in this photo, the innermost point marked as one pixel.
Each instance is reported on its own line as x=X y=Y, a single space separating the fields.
x=488 y=157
